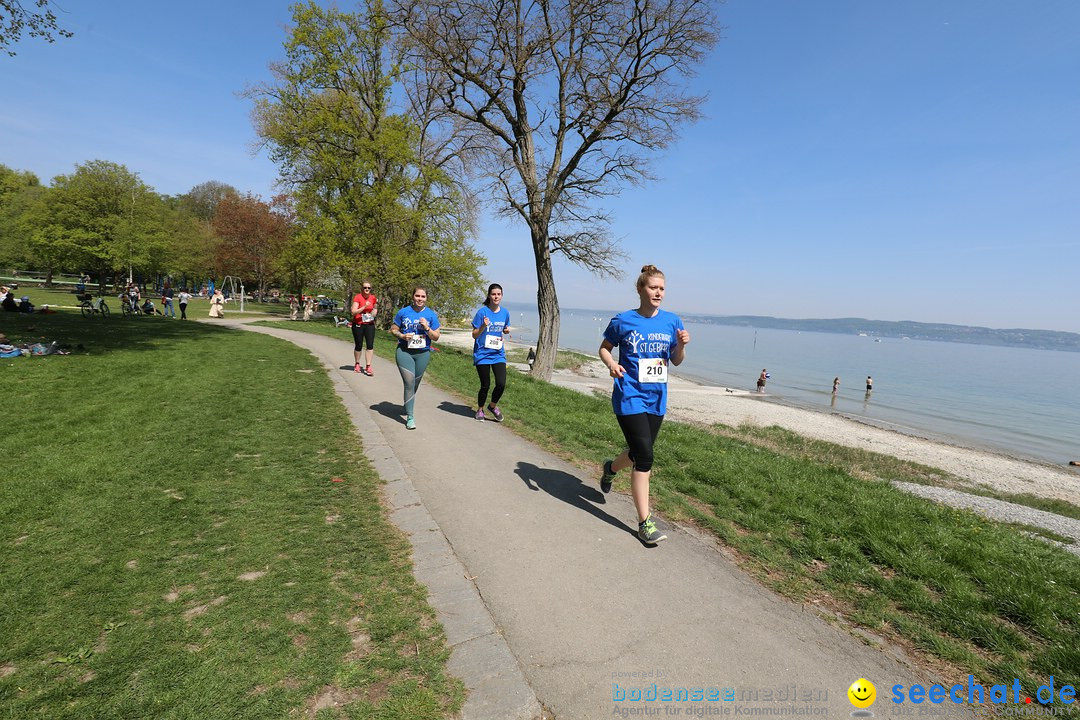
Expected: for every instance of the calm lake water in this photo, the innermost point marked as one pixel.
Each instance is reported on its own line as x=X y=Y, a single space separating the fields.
x=1022 y=402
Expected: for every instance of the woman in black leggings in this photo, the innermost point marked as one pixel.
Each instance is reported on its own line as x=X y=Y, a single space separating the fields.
x=490 y=324
x=648 y=339
x=363 y=309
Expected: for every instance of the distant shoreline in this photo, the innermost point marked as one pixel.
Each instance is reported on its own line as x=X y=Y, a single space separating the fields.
x=894 y=329
x=699 y=402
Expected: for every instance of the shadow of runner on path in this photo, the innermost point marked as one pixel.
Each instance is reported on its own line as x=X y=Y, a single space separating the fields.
x=394 y=411
x=457 y=409
x=569 y=489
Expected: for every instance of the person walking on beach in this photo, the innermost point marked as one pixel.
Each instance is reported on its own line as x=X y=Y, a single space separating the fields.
x=648 y=339
x=489 y=324
x=761 y=380
x=364 y=307
x=415 y=326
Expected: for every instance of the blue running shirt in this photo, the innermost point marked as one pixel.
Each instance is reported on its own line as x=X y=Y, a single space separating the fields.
x=488 y=346
x=407 y=319
x=645 y=346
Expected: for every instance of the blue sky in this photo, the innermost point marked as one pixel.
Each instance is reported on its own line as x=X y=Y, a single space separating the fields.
x=895 y=161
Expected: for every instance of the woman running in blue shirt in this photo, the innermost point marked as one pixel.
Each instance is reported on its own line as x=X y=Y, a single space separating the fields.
x=415 y=326
x=648 y=339
x=489 y=324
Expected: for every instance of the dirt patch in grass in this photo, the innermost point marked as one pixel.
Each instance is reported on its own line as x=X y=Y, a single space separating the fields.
x=361 y=641
x=330 y=696
x=203 y=609
x=174 y=594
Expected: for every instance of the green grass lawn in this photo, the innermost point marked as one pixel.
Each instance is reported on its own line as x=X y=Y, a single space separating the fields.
x=175 y=543
x=822 y=525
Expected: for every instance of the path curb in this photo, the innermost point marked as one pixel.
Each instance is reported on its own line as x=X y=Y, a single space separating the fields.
x=479 y=654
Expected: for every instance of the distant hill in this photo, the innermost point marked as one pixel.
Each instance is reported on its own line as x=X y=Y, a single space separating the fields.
x=1043 y=339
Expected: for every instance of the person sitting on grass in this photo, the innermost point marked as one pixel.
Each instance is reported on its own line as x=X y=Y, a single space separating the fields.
x=25 y=306
x=149 y=309
x=9 y=303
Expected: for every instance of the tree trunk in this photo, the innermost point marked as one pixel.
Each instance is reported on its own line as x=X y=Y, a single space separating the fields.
x=547 y=303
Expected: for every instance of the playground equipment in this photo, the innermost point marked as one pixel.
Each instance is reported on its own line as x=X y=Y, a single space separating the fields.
x=232 y=286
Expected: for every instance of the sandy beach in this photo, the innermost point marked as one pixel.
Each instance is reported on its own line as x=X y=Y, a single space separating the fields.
x=692 y=402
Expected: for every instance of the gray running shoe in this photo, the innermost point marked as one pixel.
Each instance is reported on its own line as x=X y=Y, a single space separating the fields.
x=480 y=414
x=648 y=533
x=607 y=477
x=495 y=412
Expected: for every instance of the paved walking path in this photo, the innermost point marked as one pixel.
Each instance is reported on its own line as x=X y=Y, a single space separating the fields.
x=549 y=599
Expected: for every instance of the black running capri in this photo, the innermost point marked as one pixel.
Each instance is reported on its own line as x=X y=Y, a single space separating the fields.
x=640 y=431
x=360 y=333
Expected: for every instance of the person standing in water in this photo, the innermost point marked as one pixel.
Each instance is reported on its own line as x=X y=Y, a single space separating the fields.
x=761 y=380
x=648 y=339
x=415 y=326
x=490 y=324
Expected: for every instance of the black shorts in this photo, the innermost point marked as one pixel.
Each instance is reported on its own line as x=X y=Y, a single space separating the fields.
x=640 y=431
x=362 y=333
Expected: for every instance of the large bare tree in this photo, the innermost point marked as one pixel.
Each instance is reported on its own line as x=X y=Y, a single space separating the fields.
x=561 y=102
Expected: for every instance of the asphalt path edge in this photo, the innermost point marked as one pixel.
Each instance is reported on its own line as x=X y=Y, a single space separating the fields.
x=479 y=654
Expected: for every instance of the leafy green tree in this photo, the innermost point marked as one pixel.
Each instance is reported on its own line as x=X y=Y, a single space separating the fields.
x=103 y=217
x=308 y=253
x=202 y=200
x=192 y=242
x=561 y=103
x=21 y=193
x=196 y=249
x=40 y=22
x=387 y=211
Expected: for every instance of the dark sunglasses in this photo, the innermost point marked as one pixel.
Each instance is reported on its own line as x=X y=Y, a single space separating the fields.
x=366 y=287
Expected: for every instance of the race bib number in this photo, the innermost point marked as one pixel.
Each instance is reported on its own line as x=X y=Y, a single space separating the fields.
x=493 y=342
x=652 y=370
x=417 y=342
x=366 y=317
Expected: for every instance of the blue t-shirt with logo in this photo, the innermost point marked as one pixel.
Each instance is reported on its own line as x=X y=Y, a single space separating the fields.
x=408 y=321
x=488 y=347
x=645 y=346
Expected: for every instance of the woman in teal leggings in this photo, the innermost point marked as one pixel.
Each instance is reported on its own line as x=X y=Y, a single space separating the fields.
x=415 y=326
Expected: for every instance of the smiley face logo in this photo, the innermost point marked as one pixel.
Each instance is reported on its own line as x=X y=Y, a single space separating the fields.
x=862 y=693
